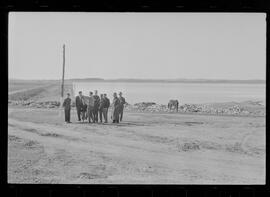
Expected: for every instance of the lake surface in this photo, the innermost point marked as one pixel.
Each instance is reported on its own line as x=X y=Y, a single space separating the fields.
x=185 y=92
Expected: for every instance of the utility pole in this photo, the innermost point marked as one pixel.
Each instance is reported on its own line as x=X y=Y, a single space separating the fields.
x=63 y=74
x=62 y=84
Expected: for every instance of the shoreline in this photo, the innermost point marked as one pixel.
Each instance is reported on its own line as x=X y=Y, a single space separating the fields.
x=246 y=108
x=147 y=112
x=47 y=96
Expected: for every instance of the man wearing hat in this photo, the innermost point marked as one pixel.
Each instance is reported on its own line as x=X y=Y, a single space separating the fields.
x=96 y=105
x=101 y=107
x=90 y=109
x=115 y=108
x=67 y=107
x=106 y=107
x=121 y=107
x=79 y=104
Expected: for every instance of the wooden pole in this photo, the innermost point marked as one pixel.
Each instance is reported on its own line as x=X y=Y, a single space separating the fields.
x=63 y=73
x=62 y=84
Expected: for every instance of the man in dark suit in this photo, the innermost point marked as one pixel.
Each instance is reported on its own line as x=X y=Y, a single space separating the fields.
x=67 y=107
x=79 y=104
x=84 y=110
x=96 y=105
x=106 y=107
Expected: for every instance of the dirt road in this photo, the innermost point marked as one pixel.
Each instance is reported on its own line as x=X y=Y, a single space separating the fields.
x=146 y=148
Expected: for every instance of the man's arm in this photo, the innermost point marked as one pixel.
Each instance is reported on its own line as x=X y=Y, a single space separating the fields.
x=70 y=103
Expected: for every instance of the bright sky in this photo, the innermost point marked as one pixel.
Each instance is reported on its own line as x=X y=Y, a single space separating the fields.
x=138 y=45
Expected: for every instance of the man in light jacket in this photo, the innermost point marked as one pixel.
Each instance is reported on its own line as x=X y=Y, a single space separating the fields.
x=90 y=108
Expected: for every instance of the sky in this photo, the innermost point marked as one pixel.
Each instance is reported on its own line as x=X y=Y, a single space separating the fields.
x=137 y=45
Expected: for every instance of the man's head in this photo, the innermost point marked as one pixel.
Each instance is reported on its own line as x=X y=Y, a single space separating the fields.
x=120 y=93
x=90 y=93
x=68 y=95
x=114 y=94
x=105 y=95
x=96 y=92
x=101 y=95
x=80 y=93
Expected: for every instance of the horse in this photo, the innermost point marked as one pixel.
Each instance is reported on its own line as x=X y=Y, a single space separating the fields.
x=173 y=104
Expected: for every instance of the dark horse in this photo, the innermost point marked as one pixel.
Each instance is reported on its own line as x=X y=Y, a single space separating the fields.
x=173 y=104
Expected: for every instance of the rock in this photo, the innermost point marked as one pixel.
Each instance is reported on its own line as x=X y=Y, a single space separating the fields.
x=220 y=109
x=245 y=112
x=189 y=146
x=144 y=104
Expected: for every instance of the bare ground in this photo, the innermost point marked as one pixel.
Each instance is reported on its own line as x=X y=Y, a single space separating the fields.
x=146 y=148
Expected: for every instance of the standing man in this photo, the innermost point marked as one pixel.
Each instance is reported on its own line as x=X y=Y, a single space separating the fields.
x=90 y=109
x=79 y=104
x=116 y=108
x=96 y=105
x=67 y=107
x=106 y=107
x=84 y=109
x=101 y=106
x=122 y=103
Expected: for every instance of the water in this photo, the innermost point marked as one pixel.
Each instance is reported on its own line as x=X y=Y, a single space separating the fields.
x=185 y=92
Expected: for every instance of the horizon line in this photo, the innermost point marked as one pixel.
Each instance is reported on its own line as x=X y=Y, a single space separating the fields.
x=152 y=79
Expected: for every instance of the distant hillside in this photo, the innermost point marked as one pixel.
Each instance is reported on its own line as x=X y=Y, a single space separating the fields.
x=86 y=79
x=186 y=81
x=128 y=80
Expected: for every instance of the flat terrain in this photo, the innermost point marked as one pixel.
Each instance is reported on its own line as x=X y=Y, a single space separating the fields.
x=146 y=148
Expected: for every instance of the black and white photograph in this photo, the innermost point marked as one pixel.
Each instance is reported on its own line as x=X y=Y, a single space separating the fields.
x=136 y=98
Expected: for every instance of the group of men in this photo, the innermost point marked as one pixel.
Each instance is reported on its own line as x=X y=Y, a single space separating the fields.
x=95 y=107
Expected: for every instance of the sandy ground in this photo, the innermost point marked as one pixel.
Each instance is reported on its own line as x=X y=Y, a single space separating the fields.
x=146 y=148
